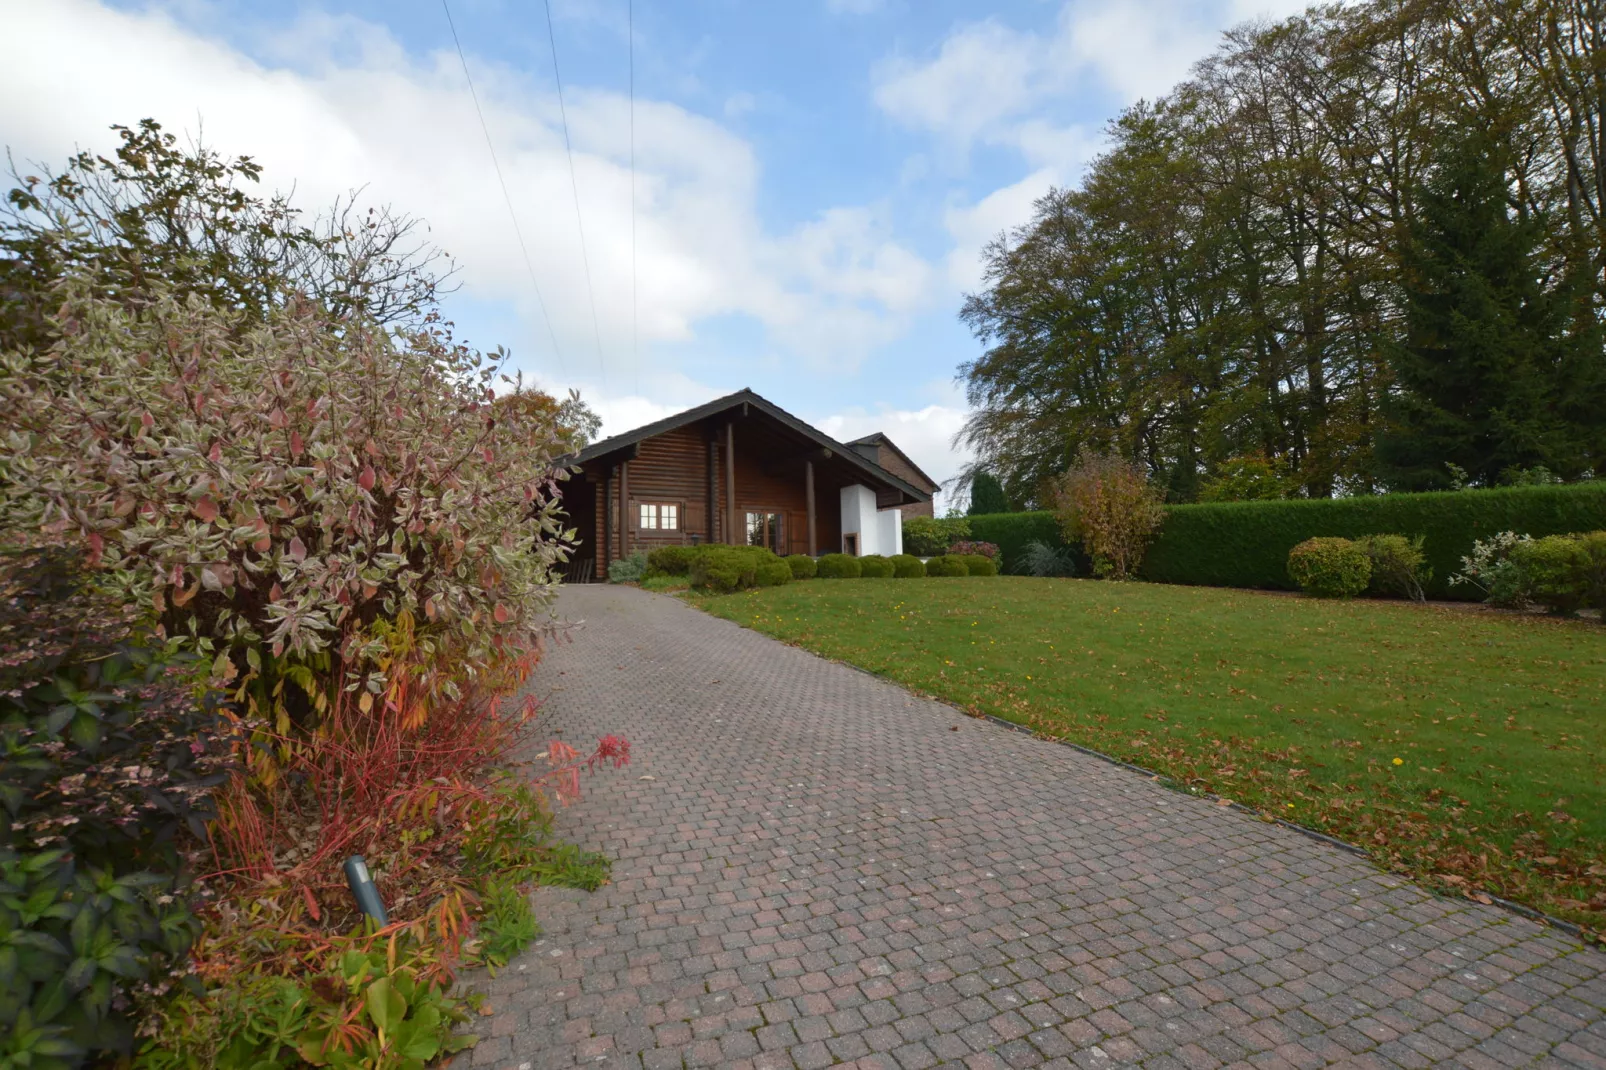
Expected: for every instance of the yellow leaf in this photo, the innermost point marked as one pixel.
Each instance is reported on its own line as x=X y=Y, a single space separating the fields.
x=365 y=703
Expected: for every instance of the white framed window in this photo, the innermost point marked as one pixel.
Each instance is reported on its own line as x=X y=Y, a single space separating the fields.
x=658 y=516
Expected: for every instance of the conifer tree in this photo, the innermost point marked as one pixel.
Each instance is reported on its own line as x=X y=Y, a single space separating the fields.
x=1488 y=353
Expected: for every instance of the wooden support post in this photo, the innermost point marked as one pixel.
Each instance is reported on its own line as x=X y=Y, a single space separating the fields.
x=808 y=489
x=607 y=525
x=624 y=509
x=730 y=482
x=712 y=464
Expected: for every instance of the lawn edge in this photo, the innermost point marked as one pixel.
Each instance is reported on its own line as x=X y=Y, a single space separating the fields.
x=1578 y=932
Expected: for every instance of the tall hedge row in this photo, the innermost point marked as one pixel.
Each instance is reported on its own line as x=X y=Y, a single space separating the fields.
x=1012 y=531
x=1246 y=544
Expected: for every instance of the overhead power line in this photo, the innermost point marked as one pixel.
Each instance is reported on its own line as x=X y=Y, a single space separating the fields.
x=506 y=198
x=574 y=187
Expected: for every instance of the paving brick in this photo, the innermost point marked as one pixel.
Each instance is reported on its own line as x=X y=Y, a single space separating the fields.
x=812 y=868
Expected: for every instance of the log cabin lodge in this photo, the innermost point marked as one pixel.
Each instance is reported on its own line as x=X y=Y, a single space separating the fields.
x=739 y=470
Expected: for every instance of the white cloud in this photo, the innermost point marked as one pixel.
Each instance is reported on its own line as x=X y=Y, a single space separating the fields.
x=926 y=434
x=336 y=103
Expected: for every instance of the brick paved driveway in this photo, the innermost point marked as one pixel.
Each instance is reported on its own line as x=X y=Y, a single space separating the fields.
x=813 y=868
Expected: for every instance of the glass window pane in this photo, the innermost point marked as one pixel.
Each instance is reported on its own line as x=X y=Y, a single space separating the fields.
x=667 y=517
x=649 y=515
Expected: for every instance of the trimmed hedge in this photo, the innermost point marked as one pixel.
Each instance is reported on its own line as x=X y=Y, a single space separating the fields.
x=837 y=567
x=1012 y=531
x=772 y=574
x=729 y=568
x=907 y=567
x=978 y=564
x=946 y=566
x=802 y=566
x=1246 y=544
x=875 y=567
x=672 y=560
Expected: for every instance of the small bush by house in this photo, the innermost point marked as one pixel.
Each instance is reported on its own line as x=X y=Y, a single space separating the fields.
x=729 y=568
x=672 y=560
x=978 y=564
x=1330 y=567
x=802 y=566
x=772 y=574
x=628 y=570
x=946 y=566
x=838 y=567
x=875 y=567
x=907 y=567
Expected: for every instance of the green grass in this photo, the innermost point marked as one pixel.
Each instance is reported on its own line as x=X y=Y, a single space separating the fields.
x=1461 y=746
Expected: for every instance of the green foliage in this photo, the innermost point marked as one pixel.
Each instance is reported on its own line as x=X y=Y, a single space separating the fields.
x=1013 y=532
x=1042 y=559
x=838 y=567
x=772 y=574
x=671 y=560
x=946 y=566
x=876 y=567
x=506 y=924
x=376 y=1005
x=802 y=566
x=978 y=564
x=1245 y=479
x=1330 y=567
x=1246 y=544
x=987 y=495
x=631 y=569
x=106 y=768
x=1492 y=374
x=926 y=536
x=907 y=567
x=1565 y=573
x=728 y=568
x=1398 y=565
x=1490 y=568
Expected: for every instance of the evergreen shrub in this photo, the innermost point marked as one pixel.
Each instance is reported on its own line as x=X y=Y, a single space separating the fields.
x=907 y=567
x=838 y=567
x=1330 y=567
x=946 y=566
x=875 y=567
x=802 y=566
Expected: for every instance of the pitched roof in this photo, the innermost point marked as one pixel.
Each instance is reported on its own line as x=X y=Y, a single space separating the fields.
x=746 y=396
x=880 y=439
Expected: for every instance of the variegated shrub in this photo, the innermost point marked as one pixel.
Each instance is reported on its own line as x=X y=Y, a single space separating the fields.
x=293 y=490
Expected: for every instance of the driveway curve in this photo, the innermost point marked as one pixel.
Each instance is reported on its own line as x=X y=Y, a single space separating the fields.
x=814 y=867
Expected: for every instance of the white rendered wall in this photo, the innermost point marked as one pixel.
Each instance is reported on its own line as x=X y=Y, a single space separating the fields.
x=859 y=516
x=890 y=523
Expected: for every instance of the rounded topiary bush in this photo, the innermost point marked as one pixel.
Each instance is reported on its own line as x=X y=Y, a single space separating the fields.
x=907 y=567
x=837 y=567
x=979 y=564
x=802 y=566
x=1330 y=567
x=671 y=560
x=875 y=567
x=946 y=566
x=719 y=578
x=772 y=574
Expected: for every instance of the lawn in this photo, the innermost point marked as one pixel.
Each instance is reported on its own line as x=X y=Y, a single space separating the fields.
x=1461 y=746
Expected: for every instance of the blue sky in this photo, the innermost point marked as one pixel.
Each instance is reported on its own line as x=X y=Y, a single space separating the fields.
x=813 y=179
